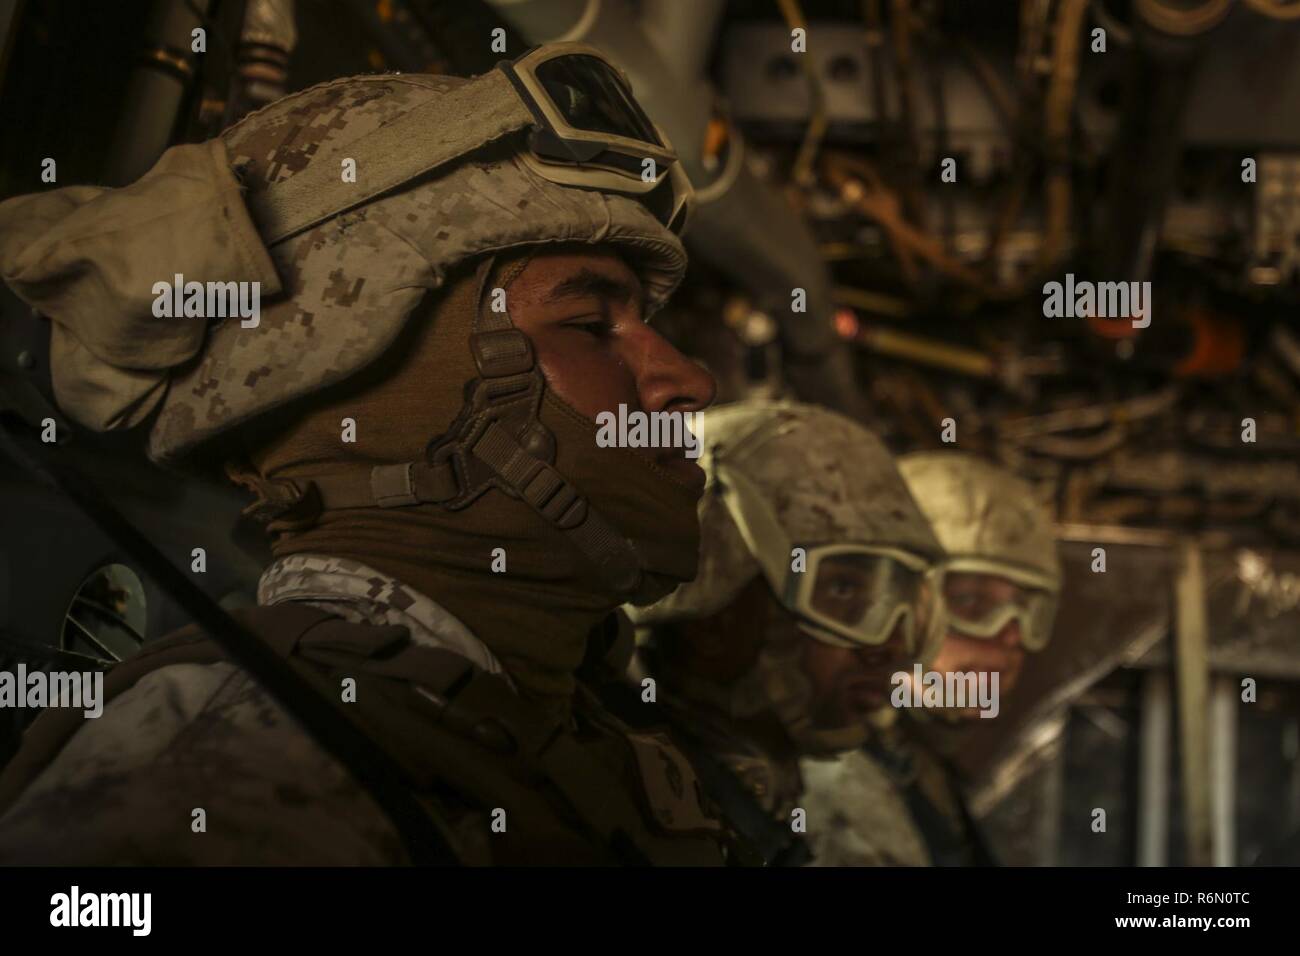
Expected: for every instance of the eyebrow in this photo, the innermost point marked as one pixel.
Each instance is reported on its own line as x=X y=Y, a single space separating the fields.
x=589 y=282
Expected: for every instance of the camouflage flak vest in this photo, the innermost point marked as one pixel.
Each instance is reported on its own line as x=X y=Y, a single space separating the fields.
x=586 y=791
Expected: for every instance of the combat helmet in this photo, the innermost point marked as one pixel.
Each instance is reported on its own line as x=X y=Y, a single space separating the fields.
x=797 y=493
x=989 y=522
x=348 y=202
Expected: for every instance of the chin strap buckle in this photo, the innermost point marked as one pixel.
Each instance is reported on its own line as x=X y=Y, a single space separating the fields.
x=393 y=486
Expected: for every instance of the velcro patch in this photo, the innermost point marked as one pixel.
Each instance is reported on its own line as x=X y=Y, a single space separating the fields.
x=673 y=791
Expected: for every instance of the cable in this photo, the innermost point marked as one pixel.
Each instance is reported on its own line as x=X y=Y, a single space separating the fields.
x=857 y=183
x=1034 y=15
x=1183 y=22
x=1058 y=109
x=934 y=74
x=1275 y=9
x=210 y=27
x=901 y=27
x=1001 y=99
x=874 y=39
x=803 y=165
x=1115 y=30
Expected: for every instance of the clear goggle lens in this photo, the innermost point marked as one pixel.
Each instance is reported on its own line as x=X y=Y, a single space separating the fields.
x=861 y=597
x=983 y=605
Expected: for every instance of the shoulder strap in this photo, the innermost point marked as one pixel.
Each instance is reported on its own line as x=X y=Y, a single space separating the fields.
x=952 y=838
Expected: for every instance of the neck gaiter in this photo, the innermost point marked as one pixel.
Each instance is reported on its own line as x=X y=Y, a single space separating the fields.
x=537 y=613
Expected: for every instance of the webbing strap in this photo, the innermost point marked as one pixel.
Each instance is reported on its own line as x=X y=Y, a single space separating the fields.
x=559 y=502
x=418 y=141
x=388 y=486
x=537 y=483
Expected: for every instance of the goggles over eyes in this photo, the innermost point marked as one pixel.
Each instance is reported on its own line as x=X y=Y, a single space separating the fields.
x=585 y=130
x=854 y=595
x=846 y=595
x=980 y=601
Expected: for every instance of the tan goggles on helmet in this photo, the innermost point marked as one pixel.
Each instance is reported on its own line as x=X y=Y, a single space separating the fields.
x=856 y=595
x=981 y=605
x=590 y=131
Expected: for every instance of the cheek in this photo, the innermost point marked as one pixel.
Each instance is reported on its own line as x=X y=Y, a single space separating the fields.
x=822 y=663
x=588 y=374
x=966 y=653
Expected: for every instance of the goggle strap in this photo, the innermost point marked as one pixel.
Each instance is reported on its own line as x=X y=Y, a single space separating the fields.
x=758 y=527
x=416 y=142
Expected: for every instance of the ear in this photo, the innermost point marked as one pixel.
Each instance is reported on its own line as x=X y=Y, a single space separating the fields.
x=725 y=645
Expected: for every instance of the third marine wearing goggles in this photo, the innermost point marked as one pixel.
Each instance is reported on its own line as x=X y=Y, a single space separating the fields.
x=810 y=594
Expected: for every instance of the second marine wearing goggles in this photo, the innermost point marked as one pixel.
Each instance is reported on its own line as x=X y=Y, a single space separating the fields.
x=811 y=593
x=844 y=594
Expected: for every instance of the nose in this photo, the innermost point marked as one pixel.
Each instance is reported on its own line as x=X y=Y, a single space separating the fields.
x=893 y=651
x=1009 y=636
x=666 y=380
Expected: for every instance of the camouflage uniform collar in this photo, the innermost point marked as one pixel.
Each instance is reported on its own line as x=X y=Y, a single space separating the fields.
x=359 y=593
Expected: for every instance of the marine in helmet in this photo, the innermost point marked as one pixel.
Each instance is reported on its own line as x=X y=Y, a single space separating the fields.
x=456 y=276
x=997 y=592
x=1000 y=582
x=810 y=595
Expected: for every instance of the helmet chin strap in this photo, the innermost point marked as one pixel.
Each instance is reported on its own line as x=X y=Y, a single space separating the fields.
x=496 y=441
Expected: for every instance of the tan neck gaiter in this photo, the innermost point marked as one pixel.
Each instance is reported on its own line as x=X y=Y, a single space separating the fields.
x=537 y=613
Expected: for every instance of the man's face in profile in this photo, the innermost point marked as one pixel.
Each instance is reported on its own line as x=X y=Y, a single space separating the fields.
x=583 y=311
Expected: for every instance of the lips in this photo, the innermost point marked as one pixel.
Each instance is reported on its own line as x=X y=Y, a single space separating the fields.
x=867 y=698
x=869 y=691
